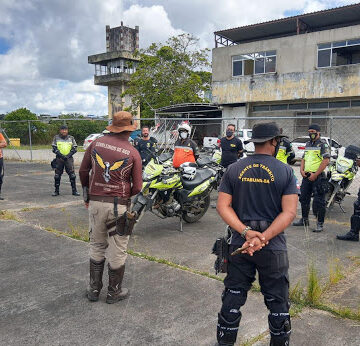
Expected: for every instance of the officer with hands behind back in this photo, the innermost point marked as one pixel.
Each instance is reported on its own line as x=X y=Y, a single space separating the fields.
x=315 y=160
x=64 y=147
x=258 y=200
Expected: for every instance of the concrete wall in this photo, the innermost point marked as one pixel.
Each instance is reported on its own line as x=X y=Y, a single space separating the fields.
x=297 y=76
x=235 y=113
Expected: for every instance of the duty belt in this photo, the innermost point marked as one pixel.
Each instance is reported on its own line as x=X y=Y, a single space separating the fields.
x=111 y=199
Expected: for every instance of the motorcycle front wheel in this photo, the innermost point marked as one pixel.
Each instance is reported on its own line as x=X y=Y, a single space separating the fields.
x=190 y=217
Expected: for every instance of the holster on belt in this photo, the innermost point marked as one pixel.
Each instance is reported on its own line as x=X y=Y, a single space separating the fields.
x=221 y=250
x=124 y=224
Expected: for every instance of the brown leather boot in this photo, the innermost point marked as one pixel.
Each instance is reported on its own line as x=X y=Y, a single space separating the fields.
x=115 y=291
x=95 y=286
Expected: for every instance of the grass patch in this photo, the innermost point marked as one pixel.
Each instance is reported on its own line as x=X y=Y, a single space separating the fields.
x=255 y=339
x=335 y=271
x=30 y=208
x=37 y=147
x=174 y=265
x=9 y=215
x=314 y=289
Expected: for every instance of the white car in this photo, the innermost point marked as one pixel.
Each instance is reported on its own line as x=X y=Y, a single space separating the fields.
x=90 y=139
x=244 y=135
x=298 y=145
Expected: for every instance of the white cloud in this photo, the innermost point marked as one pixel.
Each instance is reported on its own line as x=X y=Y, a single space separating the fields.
x=46 y=68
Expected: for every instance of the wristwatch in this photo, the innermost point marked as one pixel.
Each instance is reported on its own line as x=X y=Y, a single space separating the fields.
x=243 y=233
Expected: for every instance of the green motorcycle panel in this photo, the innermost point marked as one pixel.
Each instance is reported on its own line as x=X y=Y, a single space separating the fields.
x=202 y=187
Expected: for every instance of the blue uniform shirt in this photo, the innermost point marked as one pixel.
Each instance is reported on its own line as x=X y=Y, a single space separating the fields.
x=257 y=184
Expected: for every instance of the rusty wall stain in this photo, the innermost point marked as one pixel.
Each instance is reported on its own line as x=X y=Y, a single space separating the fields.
x=327 y=83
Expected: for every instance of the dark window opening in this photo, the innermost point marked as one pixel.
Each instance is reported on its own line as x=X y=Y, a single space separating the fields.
x=355 y=103
x=261 y=108
x=345 y=56
x=237 y=68
x=339 y=104
x=279 y=107
x=324 y=57
x=298 y=106
x=317 y=105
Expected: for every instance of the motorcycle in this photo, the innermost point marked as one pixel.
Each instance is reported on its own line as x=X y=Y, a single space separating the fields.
x=167 y=193
x=341 y=174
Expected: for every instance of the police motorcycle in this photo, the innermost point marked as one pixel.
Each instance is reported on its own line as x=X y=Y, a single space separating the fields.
x=213 y=162
x=171 y=192
x=341 y=174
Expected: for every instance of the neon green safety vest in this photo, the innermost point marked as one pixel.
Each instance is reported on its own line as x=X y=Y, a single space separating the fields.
x=281 y=155
x=313 y=156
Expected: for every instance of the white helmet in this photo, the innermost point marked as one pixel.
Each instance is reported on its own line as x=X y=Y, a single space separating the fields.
x=189 y=173
x=184 y=127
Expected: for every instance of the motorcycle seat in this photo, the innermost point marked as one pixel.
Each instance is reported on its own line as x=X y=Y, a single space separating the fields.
x=200 y=177
x=203 y=161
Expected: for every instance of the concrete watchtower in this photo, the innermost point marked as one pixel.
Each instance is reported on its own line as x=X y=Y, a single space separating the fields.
x=113 y=68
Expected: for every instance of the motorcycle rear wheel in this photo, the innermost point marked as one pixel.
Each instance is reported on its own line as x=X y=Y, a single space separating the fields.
x=191 y=218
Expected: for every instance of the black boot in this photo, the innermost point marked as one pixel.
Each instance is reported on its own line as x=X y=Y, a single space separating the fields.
x=115 y=291
x=353 y=234
x=280 y=336
x=73 y=187
x=319 y=227
x=1 y=198
x=227 y=331
x=57 y=186
x=301 y=222
x=95 y=285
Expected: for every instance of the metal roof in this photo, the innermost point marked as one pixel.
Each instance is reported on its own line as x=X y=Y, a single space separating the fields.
x=188 y=108
x=308 y=22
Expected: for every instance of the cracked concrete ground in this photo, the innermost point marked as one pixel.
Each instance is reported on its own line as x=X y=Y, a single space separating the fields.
x=43 y=276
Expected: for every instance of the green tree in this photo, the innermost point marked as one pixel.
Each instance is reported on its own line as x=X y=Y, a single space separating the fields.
x=170 y=73
x=18 y=127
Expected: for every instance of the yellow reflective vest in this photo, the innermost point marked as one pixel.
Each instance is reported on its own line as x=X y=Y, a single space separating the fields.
x=315 y=153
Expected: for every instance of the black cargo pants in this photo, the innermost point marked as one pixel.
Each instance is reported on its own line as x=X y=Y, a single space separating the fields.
x=319 y=188
x=272 y=267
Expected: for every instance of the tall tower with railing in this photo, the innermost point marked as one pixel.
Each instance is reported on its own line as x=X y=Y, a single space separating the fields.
x=113 y=68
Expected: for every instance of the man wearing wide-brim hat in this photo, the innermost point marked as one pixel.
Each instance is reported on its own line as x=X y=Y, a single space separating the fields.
x=115 y=176
x=258 y=200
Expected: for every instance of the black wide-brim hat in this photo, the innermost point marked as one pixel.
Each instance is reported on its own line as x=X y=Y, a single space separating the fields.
x=264 y=132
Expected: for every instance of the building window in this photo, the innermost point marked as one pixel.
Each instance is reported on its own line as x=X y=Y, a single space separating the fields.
x=339 y=53
x=254 y=63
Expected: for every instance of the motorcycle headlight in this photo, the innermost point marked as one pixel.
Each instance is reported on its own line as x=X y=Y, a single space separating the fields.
x=341 y=168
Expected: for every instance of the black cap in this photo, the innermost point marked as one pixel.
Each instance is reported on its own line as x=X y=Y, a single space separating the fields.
x=63 y=127
x=315 y=127
x=264 y=132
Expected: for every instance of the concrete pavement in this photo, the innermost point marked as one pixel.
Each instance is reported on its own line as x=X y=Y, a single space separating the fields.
x=53 y=271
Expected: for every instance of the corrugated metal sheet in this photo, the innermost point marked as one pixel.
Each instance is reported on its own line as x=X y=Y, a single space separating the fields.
x=316 y=21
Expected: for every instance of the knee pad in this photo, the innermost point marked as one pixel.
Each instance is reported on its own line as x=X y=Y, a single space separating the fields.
x=280 y=328
x=233 y=300
x=72 y=176
x=57 y=176
x=227 y=331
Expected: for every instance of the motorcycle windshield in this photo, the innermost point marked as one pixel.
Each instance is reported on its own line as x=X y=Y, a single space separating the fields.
x=152 y=170
x=343 y=164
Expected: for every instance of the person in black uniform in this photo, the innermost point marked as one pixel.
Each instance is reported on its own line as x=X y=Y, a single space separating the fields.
x=353 y=234
x=258 y=200
x=231 y=147
x=145 y=145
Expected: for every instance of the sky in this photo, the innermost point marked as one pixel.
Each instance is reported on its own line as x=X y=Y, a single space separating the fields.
x=44 y=44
